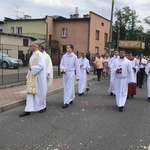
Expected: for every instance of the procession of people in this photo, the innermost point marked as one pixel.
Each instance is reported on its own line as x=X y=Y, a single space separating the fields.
x=126 y=73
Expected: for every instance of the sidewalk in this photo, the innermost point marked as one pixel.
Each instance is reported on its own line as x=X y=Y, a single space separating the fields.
x=14 y=96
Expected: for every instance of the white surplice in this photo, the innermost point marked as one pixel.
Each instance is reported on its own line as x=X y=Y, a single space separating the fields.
x=147 y=70
x=122 y=80
x=49 y=71
x=36 y=102
x=112 y=77
x=135 y=64
x=83 y=70
x=69 y=63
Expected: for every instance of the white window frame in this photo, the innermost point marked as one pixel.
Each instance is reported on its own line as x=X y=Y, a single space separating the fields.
x=19 y=30
x=64 y=32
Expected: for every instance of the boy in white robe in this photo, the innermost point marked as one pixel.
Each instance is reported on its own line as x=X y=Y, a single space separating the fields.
x=111 y=89
x=84 y=68
x=122 y=70
x=49 y=71
x=35 y=102
x=147 y=71
x=69 y=66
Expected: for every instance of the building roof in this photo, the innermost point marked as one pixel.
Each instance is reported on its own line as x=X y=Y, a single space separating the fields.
x=18 y=35
x=1 y=22
x=22 y=19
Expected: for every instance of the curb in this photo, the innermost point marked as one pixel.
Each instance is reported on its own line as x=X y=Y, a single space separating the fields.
x=7 y=107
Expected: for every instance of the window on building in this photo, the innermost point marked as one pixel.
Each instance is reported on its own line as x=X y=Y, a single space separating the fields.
x=19 y=30
x=1 y=30
x=64 y=32
x=96 y=50
x=102 y=23
x=97 y=35
x=64 y=49
x=25 y=42
x=12 y=30
x=105 y=37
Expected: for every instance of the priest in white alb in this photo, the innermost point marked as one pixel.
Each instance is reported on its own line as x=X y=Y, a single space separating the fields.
x=69 y=67
x=49 y=71
x=36 y=82
x=122 y=70
x=84 y=68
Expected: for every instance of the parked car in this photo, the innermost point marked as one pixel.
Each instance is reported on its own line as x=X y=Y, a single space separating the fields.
x=7 y=61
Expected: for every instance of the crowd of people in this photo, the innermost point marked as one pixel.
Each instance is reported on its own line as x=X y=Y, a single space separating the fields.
x=126 y=73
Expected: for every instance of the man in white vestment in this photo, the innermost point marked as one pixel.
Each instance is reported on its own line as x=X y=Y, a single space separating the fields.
x=49 y=70
x=35 y=100
x=122 y=70
x=147 y=70
x=135 y=68
x=111 y=89
x=84 y=68
x=69 y=66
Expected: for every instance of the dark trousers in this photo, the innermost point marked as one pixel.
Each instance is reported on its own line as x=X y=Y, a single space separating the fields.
x=141 y=75
x=99 y=72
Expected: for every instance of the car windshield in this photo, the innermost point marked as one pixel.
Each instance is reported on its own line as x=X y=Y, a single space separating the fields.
x=4 y=55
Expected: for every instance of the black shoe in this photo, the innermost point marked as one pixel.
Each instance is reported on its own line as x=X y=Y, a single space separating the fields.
x=24 y=114
x=140 y=87
x=65 y=106
x=148 y=99
x=111 y=94
x=43 y=110
x=127 y=97
x=71 y=102
x=80 y=94
x=120 y=109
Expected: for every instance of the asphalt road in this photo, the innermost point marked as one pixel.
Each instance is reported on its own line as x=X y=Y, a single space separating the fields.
x=91 y=123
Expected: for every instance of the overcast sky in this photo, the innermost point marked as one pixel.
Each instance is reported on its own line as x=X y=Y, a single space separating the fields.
x=41 y=8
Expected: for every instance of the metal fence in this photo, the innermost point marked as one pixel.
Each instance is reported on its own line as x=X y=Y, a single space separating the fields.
x=11 y=74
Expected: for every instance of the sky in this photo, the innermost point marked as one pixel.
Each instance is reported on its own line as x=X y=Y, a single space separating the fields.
x=41 y=8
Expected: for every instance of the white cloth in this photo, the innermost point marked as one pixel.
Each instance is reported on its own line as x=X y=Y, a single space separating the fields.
x=36 y=102
x=112 y=77
x=147 y=71
x=83 y=71
x=122 y=80
x=135 y=64
x=144 y=61
x=49 y=69
x=69 y=63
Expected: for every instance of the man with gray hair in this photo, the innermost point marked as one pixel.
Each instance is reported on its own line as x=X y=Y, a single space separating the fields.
x=36 y=82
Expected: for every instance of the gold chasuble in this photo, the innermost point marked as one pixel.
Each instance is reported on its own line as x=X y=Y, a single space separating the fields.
x=32 y=79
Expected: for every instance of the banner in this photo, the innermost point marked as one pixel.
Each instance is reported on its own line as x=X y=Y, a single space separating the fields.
x=131 y=44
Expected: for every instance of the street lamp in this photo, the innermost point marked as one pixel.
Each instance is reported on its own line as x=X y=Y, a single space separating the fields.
x=111 y=20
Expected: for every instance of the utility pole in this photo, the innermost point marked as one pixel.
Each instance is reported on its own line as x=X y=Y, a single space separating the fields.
x=110 y=31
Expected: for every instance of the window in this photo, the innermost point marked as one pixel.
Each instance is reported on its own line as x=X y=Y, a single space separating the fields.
x=102 y=24
x=96 y=50
x=1 y=30
x=25 y=42
x=105 y=37
x=64 y=49
x=64 y=32
x=97 y=35
x=12 y=30
x=19 y=30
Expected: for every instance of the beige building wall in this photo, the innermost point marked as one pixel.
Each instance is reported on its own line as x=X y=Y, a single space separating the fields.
x=77 y=33
x=13 y=44
x=30 y=27
x=102 y=25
